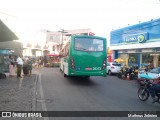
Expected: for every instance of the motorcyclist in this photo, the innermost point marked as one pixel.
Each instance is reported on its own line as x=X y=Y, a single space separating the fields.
x=154 y=88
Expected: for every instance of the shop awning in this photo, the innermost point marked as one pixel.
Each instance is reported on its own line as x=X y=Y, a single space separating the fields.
x=6 y=34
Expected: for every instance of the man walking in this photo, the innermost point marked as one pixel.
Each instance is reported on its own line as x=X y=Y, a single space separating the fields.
x=19 y=65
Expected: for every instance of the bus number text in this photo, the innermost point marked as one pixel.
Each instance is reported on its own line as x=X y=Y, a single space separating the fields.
x=96 y=68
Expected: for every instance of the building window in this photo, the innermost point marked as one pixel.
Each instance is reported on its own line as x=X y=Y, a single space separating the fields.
x=146 y=58
x=51 y=38
x=133 y=60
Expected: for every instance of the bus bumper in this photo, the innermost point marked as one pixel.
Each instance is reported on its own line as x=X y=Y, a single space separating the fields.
x=95 y=73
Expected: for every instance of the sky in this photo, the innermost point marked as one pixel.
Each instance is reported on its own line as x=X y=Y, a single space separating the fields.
x=100 y=15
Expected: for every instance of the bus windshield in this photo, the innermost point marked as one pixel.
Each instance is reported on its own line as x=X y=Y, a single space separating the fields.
x=88 y=44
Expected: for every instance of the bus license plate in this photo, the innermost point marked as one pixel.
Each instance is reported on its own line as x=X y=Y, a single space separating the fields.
x=88 y=69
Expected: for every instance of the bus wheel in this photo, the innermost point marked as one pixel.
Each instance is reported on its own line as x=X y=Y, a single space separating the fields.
x=64 y=74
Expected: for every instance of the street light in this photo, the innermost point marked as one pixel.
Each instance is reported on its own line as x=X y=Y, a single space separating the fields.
x=62 y=31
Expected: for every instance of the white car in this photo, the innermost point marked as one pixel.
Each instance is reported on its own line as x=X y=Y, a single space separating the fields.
x=113 y=68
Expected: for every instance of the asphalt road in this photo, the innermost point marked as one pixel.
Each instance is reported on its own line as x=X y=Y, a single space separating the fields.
x=56 y=93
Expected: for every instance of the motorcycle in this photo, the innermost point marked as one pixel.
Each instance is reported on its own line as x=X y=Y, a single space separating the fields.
x=121 y=72
x=136 y=72
x=143 y=91
x=132 y=72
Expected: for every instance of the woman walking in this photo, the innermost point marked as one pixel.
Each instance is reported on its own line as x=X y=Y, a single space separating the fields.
x=11 y=66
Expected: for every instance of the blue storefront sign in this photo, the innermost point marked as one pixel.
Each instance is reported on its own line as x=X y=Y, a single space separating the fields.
x=138 y=33
x=140 y=41
x=140 y=38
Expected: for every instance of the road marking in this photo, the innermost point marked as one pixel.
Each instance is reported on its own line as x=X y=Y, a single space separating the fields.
x=34 y=101
x=44 y=108
x=34 y=94
x=20 y=82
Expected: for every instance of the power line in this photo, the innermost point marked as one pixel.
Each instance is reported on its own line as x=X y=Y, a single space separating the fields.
x=7 y=14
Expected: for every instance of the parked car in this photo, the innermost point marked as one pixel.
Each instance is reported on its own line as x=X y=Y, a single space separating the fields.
x=113 y=68
x=151 y=74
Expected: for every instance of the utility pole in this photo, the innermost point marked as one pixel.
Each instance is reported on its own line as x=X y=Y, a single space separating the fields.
x=62 y=33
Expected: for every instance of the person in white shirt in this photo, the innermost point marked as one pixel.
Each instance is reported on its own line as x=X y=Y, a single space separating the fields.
x=19 y=65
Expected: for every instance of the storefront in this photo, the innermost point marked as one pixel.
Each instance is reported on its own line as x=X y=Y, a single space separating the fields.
x=110 y=55
x=138 y=45
x=6 y=49
x=4 y=60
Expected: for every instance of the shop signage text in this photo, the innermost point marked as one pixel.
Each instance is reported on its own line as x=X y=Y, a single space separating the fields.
x=140 y=38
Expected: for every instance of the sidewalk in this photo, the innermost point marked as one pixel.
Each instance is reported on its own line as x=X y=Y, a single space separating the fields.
x=17 y=94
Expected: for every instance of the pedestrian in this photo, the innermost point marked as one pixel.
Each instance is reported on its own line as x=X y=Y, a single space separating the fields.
x=11 y=66
x=151 y=66
x=19 y=65
x=39 y=62
x=25 y=65
x=30 y=62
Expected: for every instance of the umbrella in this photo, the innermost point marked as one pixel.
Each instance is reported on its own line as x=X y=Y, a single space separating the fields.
x=6 y=34
x=119 y=60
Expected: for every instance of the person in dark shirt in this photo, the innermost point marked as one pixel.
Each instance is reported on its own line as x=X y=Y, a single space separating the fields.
x=30 y=62
x=153 y=89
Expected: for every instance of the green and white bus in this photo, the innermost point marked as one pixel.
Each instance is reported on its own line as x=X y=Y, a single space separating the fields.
x=84 y=55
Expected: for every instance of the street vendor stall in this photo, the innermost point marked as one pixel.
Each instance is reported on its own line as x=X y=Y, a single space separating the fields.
x=52 y=60
x=4 y=62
